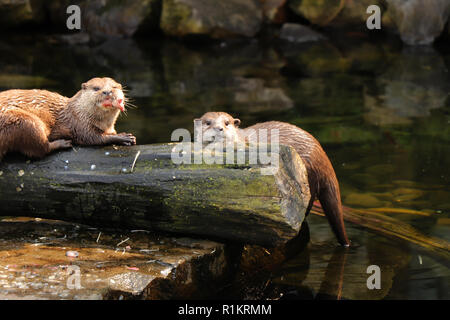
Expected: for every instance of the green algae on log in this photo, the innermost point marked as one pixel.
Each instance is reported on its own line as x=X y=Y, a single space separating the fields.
x=96 y=186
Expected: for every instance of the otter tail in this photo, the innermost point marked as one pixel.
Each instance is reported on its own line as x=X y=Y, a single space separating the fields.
x=330 y=200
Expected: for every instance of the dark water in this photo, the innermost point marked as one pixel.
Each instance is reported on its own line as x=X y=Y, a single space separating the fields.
x=380 y=110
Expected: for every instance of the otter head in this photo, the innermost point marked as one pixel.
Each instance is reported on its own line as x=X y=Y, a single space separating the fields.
x=100 y=102
x=218 y=127
x=105 y=94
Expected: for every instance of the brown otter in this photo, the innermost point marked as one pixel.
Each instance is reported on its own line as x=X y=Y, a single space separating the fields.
x=219 y=126
x=36 y=122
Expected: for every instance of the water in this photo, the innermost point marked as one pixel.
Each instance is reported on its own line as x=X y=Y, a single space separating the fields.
x=380 y=110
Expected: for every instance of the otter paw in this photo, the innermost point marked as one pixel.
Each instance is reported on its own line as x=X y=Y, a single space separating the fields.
x=127 y=139
x=60 y=144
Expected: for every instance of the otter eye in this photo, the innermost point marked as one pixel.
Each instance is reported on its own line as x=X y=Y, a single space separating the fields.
x=96 y=88
x=227 y=123
x=208 y=123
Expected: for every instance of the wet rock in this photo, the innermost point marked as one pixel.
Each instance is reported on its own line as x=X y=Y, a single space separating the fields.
x=216 y=19
x=298 y=33
x=418 y=22
x=109 y=18
x=34 y=265
x=120 y=18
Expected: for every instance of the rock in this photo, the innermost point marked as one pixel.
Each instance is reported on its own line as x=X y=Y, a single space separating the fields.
x=274 y=11
x=120 y=18
x=336 y=13
x=216 y=19
x=34 y=265
x=102 y=18
x=132 y=264
x=418 y=22
x=298 y=33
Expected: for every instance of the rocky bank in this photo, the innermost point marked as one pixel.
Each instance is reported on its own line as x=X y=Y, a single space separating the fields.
x=415 y=22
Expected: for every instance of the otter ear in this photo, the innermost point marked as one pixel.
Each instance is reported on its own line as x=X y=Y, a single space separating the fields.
x=83 y=86
x=237 y=122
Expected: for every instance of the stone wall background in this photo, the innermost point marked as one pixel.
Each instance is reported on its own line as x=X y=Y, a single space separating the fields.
x=416 y=22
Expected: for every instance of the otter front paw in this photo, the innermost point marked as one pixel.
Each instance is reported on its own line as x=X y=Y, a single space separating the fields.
x=60 y=144
x=127 y=139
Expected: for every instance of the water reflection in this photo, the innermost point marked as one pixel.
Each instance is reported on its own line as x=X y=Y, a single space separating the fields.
x=416 y=83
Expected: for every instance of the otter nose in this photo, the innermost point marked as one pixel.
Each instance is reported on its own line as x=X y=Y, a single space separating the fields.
x=219 y=128
x=107 y=93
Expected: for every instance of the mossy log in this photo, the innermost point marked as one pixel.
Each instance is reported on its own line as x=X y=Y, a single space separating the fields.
x=140 y=187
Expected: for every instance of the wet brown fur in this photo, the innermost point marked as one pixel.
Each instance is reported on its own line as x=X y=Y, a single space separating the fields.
x=36 y=122
x=322 y=179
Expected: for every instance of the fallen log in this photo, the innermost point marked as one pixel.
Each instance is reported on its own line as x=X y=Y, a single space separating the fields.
x=140 y=187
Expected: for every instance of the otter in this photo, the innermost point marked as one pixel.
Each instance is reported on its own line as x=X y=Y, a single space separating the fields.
x=37 y=122
x=323 y=183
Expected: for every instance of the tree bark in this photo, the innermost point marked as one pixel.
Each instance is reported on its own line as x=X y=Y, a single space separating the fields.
x=97 y=186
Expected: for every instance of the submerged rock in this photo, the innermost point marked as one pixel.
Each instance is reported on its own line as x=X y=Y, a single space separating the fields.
x=108 y=18
x=362 y=200
x=133 y=264
x=216 y=19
